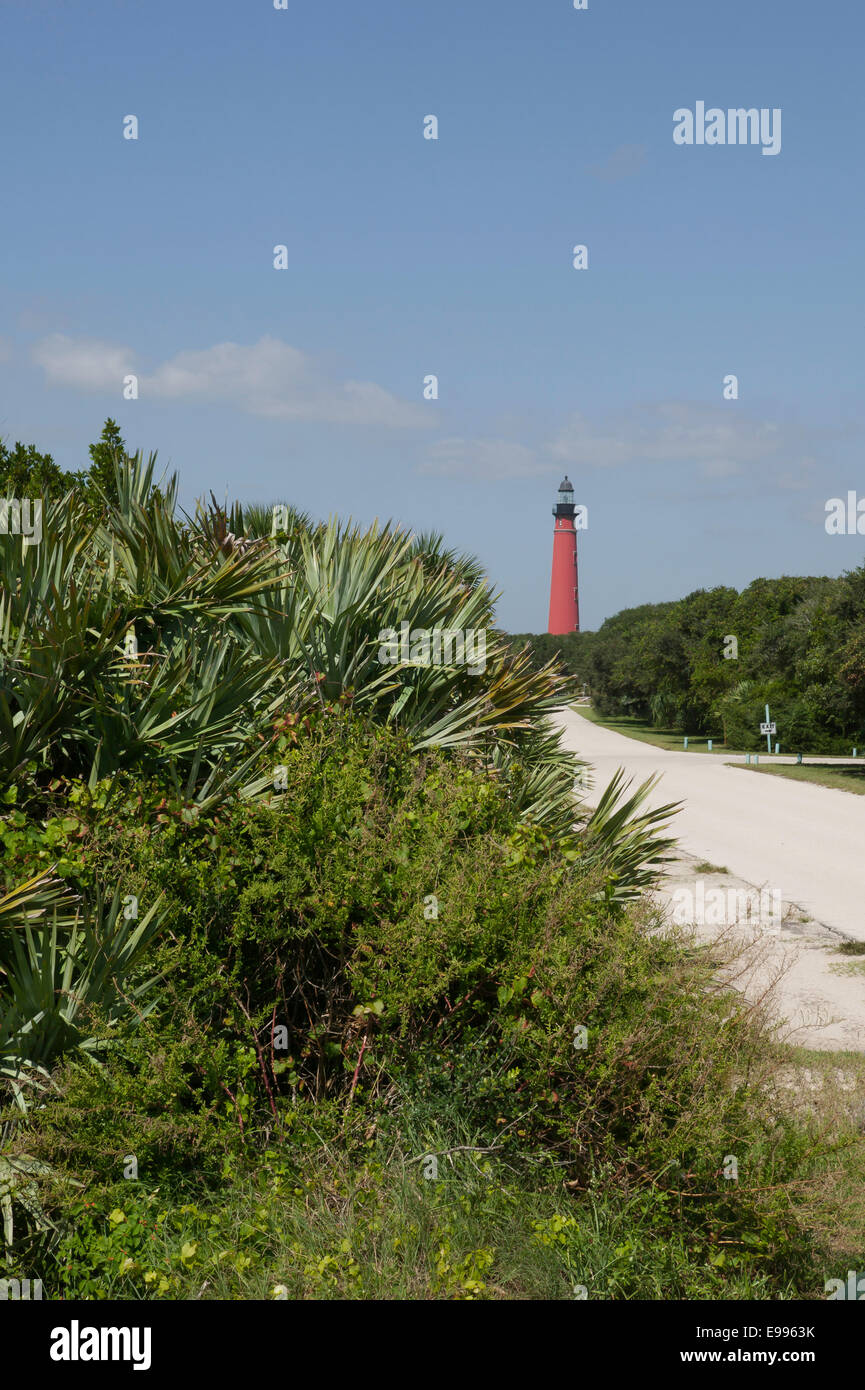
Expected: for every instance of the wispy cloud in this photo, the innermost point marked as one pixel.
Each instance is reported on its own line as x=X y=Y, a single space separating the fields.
x=269 y=378
x=621 y=164
x=88 y=364
x=482 y=458
x=707 y=441
x=717 y=440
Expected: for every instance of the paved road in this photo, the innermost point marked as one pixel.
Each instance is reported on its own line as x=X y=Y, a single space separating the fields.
x=804 y=840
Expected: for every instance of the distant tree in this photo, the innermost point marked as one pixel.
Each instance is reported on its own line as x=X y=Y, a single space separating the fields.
x=569 y=647
x=801 y=649
x=109 y=450
x=25 y=472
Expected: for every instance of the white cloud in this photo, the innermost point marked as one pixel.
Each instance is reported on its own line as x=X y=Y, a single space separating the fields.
x=709 y=441
x=715 y=438
x=86 y=363
x=789 y=481
x=482 y=458
x=268 y=378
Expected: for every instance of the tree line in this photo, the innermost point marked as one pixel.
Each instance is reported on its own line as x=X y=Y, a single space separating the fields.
x=709 y=663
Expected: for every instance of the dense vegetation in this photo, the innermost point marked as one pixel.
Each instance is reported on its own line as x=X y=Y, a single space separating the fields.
x=315 y=979
x=799 y=645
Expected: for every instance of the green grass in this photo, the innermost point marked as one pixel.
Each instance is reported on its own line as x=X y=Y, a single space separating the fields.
x=336 y=1225
x=704 y=867
x=645 y=732
x=355 y=1218
x=846 y=779
x=374 y=1232
x=828 y=1091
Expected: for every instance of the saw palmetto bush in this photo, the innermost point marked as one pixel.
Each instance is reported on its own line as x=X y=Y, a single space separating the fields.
x=156 y=640
x=419 y=902
x=65 y=978
x=151 y=641
x=77 y=695
x=138 y=642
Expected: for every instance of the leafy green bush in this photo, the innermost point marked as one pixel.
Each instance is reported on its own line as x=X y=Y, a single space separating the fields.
x=433 y=963
x=410 y=945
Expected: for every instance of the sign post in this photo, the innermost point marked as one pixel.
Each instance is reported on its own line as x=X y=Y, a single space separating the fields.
x=768 y=729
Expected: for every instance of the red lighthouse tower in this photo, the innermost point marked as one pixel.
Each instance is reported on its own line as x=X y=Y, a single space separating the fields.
x=564 y=598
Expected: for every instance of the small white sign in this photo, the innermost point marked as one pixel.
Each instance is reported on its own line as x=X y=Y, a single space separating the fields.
x=768 y=728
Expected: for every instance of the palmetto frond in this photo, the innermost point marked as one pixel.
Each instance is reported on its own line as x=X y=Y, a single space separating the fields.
x=626 y=842
x=61 y=966
x=231 y=621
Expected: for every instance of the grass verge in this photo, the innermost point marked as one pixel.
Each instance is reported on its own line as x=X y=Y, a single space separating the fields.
x=840 y=777
x=645 y=732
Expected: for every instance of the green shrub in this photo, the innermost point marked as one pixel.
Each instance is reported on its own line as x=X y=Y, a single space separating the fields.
x=444 y=1027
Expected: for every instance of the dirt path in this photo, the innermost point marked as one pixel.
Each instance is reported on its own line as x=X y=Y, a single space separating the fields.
x=804 y=843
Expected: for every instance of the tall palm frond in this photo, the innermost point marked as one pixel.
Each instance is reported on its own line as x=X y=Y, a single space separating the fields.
x=628 y=844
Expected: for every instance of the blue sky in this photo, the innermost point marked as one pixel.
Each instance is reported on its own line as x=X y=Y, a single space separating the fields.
x=410 y=257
